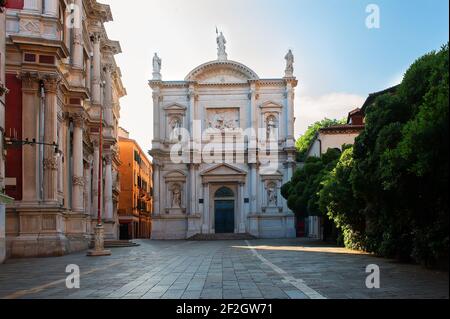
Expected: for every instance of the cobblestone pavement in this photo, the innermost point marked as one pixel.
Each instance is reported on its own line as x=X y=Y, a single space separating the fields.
x=275 y=269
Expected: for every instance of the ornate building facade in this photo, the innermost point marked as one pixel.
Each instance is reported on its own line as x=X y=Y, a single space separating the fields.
x=61 y=74
x=136 y=187
x=223 y=147
x=3 y=199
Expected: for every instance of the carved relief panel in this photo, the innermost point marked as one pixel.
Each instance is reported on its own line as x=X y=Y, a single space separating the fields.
x=223 y=119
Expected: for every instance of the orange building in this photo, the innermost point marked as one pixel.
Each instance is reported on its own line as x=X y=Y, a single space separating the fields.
x=135 y=199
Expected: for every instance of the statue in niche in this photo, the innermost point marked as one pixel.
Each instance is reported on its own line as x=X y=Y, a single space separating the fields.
x=289 y=64
x=272 y=197
x=176 y=196
x=271 y=123
x=175 y=125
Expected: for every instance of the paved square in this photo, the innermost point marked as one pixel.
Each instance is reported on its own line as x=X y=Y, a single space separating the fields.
x=273 y=269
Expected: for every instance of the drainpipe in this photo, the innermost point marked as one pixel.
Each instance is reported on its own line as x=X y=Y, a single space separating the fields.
x=41 y=139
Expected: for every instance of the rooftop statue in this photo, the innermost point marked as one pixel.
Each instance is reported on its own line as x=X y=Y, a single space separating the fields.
x=156 y=67
x=221 y=48
x=289 y=72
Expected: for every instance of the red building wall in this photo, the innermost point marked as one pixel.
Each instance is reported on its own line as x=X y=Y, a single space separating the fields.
x=14 y=4
x=13 y=125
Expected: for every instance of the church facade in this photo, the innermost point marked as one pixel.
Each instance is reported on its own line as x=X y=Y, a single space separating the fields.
x=223 y=147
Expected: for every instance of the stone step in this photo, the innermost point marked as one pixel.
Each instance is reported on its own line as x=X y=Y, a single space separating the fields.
x=217 y=237
x=118 y=244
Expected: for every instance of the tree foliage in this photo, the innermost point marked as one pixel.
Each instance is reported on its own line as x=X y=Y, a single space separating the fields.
x=390 y=195
x=302 y=192
x=304 y=142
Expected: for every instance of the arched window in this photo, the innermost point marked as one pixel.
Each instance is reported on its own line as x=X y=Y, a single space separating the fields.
x=224 y=192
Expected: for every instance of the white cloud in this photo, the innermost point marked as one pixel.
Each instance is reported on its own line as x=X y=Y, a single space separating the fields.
x=309 y=109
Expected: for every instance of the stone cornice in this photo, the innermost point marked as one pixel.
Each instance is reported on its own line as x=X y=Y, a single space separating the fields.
x=249 y=73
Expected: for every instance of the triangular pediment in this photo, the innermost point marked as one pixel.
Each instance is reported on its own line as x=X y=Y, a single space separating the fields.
x=224 y=169
x=271 y=104
x=175 y=107
x=175 y=174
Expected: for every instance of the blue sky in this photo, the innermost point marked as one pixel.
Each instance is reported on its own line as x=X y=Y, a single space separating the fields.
x=339 y=61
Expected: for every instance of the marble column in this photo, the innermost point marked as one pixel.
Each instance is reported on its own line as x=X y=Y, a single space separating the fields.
x=290 y=139
x=61 y=128
x=77 y=54
x=32 y=5
x=95 y=171
x=88 y=75
x=156 y=190
x=108 y=95
x=96 y=68
x=87 y=188
x=193 y=189
x=78 y=173
x=156 y=115
x=192 y=110
x=206 y=228
x=242 y=228
x=253 y=190
x=51 y=136
x=51 y=8
x=108 y=195
x=254 y=112
x=30 y=130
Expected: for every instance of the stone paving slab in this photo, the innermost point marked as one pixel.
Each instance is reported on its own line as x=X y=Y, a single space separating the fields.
x=271 y=269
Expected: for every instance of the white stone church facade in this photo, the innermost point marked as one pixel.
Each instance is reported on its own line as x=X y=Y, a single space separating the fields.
x=213 y=172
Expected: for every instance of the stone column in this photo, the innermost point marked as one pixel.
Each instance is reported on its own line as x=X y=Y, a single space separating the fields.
x=156 y=114
x=51 y=8
x=87 y=188
x=32 y=5
x=254 y=110
x=108 y=95
x=192 y=115
x=96 y=68
x=60 y=157
x=253 y=190
x=290 y=139
x=193 y=189
x=30 y=130
x=242 y=227
x=156 y=190
x=77 y=54
x=51 y=136
x=78 y=174
x=88 y=75
x=206 y=228
x=95 y=167
x=108 y=196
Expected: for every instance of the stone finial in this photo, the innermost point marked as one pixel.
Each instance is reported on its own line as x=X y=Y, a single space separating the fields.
x=157 y=63
x=289 y=72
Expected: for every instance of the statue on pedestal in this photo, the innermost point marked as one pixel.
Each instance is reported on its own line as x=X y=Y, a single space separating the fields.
x=156 y=67
x=289 y=72
x=221 y=48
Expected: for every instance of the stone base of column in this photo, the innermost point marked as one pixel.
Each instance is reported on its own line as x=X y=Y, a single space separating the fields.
x=242 y=229
x=99 y=249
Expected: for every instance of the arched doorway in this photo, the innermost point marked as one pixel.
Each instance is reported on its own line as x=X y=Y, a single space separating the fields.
x=224 y=204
